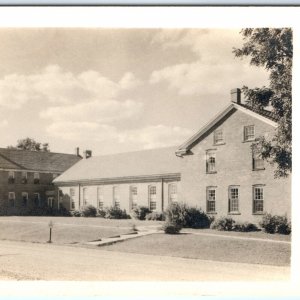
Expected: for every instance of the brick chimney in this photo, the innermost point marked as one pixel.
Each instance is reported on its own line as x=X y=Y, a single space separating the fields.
x=87 y=154
x=236 y=96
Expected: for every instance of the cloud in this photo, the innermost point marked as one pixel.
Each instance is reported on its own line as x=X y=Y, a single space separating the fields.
x=3 y=123
x=155 y=136
x=97 y=111
x=55 y=85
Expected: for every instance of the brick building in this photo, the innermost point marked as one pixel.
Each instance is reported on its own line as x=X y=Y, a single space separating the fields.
x=216 y=169
x=26 y=178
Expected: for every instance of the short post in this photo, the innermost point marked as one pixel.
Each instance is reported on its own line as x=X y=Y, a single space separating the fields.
x=50 y=227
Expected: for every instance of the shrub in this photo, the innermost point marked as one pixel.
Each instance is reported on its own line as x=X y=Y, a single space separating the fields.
x=155 y=216
x=89 y=211
x=186 y=216
x=223 y=224
x=171 y=228
x=76 y=213
x=245 y=227
x=46 y=211
x=101 y=213
x=116 y=213
x=140 y=212
x=275 y=224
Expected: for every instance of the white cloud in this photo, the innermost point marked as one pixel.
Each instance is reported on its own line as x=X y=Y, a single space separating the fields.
x=55 y=85
x=3 y=123
x=155 y=136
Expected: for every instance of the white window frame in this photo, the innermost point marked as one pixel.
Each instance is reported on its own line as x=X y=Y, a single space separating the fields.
x=36 y=177
x=233 y=202
x=23 y=202
x=38 y=204
x=152 y=197
x=85 y=196
x=12 y=199
x=11 y=176
x=172 y=193
x=116 y=196
x=257 y=161
x=249 y=137
x=217 y=139
x=100 y=198
x=211 y=161
x=133 y=196
x=72 y=198
x=256 y=199
x=211 y=201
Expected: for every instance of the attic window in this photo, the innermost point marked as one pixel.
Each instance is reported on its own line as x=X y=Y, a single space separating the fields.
x=219 y=137
x=210 y=161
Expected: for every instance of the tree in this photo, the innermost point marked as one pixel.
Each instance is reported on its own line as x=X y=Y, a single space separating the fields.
x=272 y=48
x=30 y=144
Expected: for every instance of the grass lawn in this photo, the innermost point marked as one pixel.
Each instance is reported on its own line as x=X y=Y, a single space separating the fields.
x=208 y=248
x=66 y=230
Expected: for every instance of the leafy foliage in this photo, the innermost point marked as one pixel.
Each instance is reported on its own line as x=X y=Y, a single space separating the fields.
x=272 y=48
x=171 y=228
x=30 y=144
x=223 y=224
x=140 y=212
x=155 y=216
x=116 y=213
x=89 y=211
x=186 y=216
x=276 y=224
x=245 y=227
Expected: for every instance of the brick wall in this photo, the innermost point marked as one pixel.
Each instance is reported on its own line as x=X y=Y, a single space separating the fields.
x=234 y=167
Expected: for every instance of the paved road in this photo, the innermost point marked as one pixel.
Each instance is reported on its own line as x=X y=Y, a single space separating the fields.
x=29 y=261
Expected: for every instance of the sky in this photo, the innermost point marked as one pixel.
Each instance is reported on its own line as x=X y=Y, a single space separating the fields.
x=116 y=90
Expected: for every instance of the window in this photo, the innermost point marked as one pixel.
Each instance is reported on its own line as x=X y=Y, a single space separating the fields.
x=116 y=197
x=172 y=192
x=133 y=196
x=234 y=199
x=72 y=198
x=211 y=199
x=100 y=198
x=152 y=197
x=36 y=199
x=24 y=177
x=210 y=161
x=11 y=177
x=249 y=133
x=85 y=197
x=258 y=199
x=11 y=199
x=218 y=137
x=36 y=178
x=24 y=198
x=257 y=161
x=50 y=202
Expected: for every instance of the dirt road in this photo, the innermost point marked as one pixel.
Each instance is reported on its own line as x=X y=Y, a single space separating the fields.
x=33 y=261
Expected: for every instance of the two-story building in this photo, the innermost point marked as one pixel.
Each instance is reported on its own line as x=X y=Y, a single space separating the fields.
x=26 y=179
x=216 y=169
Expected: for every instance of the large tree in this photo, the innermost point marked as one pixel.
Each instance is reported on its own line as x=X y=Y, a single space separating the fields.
x=30 y=144
x=272 y=48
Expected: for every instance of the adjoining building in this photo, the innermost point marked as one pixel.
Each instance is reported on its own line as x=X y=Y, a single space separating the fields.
x=216 y=169
x=26 y=179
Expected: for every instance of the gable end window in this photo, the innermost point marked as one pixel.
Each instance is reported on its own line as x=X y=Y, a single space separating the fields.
x=219 y=137
x=11 y=177
x=211 y=199
x=36 y=178
x=210 y=161
x=249 y=133
x=258 y=199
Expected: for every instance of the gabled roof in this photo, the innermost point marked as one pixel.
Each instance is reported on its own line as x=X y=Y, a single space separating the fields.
x=262 y=114
x=146 y=163
x=36 y=160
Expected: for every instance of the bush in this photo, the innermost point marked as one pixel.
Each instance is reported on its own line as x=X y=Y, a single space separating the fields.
x=245 y=227
x=185 y=216
x=46 y=211
x=89 y=211
x=155 y=216
x=76 y=213
x=116 y=213
x=223 y=224
x=171 y=228
x=101 y=213
x=276 y=224
x=140 y=212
